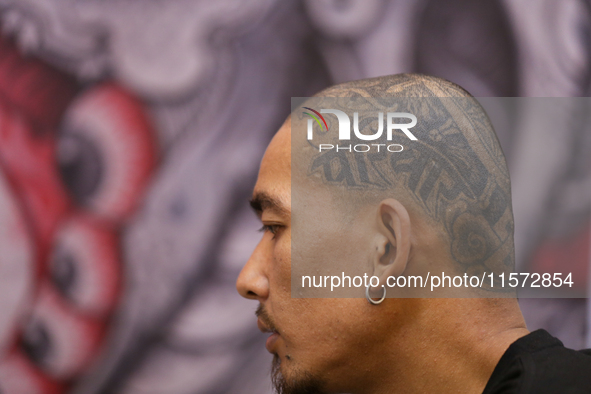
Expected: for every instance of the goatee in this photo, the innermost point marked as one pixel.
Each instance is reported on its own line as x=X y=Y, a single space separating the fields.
x=302 y=382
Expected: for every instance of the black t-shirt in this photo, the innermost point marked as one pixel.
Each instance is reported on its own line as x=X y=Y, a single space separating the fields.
x=538 y=363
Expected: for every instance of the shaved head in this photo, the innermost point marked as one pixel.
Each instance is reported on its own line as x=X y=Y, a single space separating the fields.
x=454 y=174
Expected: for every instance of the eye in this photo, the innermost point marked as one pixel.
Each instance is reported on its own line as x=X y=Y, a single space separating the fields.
x=58 y=341
x=84 y=265
x=272 y=228
x=106 y=151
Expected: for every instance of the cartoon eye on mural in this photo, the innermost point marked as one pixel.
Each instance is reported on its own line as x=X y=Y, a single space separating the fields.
x=106 y=151
x=70 y=183
x=85 y=265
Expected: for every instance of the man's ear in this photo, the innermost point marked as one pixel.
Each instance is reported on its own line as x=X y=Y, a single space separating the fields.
x=393 y=249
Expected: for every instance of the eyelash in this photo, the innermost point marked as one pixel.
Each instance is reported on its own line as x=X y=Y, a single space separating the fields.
x=270 y=228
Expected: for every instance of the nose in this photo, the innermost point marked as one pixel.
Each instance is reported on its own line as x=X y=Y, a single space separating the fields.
x=253 y=281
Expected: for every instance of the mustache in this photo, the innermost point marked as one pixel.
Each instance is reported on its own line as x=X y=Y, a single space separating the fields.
x=262 y=314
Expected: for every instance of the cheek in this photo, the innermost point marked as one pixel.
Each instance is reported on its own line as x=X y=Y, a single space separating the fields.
x=326 y=244
x=317 y=333
x=280 y=269
x=317 y=256
x=321 y=334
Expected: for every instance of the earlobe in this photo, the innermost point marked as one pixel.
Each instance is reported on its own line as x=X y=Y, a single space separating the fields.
x=393 y=249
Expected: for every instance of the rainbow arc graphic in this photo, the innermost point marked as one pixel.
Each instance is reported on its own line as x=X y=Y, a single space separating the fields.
x=316 y=117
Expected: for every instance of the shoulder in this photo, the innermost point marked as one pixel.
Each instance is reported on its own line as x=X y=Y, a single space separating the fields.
x=539 y=363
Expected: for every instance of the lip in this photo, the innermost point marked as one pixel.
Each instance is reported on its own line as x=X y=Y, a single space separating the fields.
x=271 y=342
x=262 y=326
x=272 y=338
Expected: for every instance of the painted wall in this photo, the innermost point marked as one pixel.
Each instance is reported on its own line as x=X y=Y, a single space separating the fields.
x=130 y=138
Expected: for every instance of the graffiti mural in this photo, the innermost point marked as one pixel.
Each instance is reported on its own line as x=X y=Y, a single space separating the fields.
x=130 y=139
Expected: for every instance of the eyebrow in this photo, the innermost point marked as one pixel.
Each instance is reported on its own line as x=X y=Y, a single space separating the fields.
x=262 y=201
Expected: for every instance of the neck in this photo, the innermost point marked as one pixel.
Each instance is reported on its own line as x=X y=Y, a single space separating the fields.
x=452 y=346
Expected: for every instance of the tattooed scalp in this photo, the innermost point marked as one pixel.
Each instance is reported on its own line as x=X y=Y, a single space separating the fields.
x=455 y=173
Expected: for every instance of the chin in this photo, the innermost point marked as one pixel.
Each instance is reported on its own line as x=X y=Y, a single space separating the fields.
x=288 y=379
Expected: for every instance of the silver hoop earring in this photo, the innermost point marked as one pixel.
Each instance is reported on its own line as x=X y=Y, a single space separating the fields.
x=371 y=300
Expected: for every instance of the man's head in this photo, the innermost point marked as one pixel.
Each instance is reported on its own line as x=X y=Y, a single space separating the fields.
x=444 y=200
